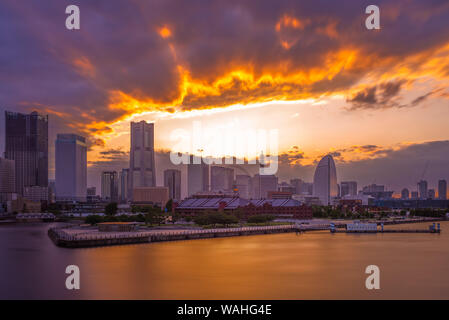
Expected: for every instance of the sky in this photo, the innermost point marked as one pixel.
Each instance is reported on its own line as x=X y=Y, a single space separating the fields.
x=377 y=100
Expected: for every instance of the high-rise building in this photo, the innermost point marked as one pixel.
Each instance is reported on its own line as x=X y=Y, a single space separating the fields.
x=124 y=185
x=325 y=180
x=92 y=194
x=405 y=194
x=243 y=185
x=422 y=189
x=92 y=191
x=36 y=193
x=221 y=179
x=197 y=176
x=377 y=191
x=262 y=184
x=414 y=195
x=27 y=144
x=172 y=180
x=297 y=184
x=348 y=188
x=141 y=158
x=51 y=191
x=109 y=186
x=306 y=188
x=71 y=167
x=7 y=176
x=442 y=189
x=431 y=194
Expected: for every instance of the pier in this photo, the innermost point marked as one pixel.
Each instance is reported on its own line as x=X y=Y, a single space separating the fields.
x=390 y=231
x=76 y=238
x=82 y=237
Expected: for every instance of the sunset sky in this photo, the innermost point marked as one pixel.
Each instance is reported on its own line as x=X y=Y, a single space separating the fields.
x=376 y=99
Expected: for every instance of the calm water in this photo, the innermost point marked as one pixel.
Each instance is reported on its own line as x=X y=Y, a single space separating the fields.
x=315 y=265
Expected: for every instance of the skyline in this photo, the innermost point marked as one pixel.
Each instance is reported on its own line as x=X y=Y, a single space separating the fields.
x=378 y=105
x=246 y=168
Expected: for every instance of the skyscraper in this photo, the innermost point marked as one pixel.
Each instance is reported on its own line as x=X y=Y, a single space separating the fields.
x=141 y=161
x=262 y=184
x=221 y=179
x=243 y=185
x=172 y=180
x=297 y=184
x=422 y=189
x=71 y=167
x=325 y=180
x=405 y=194
x=348 y=188
x=442 y=189
x=109 y=186
x=7 y=176
x=27 y=144
x=124 y=185
x=197 y=176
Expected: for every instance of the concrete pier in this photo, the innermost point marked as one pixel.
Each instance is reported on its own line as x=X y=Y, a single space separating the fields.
x=66 y=239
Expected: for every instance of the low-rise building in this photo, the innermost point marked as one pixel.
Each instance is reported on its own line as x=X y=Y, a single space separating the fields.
x=156 y=196
x=281 y=207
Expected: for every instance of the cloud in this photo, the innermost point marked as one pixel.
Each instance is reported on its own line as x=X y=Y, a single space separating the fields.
x=172 y=56
x=383 y=95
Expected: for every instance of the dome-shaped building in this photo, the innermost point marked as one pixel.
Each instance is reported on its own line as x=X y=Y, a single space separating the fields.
x=325 y=180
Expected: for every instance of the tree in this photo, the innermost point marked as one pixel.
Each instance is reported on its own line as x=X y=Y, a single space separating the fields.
x=260 y=218
x=111 y=209
x=93 y=219
x=169 y=205
x=175 y=217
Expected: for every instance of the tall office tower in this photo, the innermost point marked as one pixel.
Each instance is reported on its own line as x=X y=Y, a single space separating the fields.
x=221 y=179
x=36 y=193
x=422 y=189
x=297 y=184
x=109 y=186
x=92 y=191
x=348 y=188
x=431 y=194
x=141 y=157
x=51 y=191
x=442 y=189
x=262 y=184
x=405 y=194
x=7 y=176
x=243 y=185
x=306 y=188
x=172 y=180
x=27 y=144
x=197 y=176
x=71 y=167
x=124 y=185
x=325 y=180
